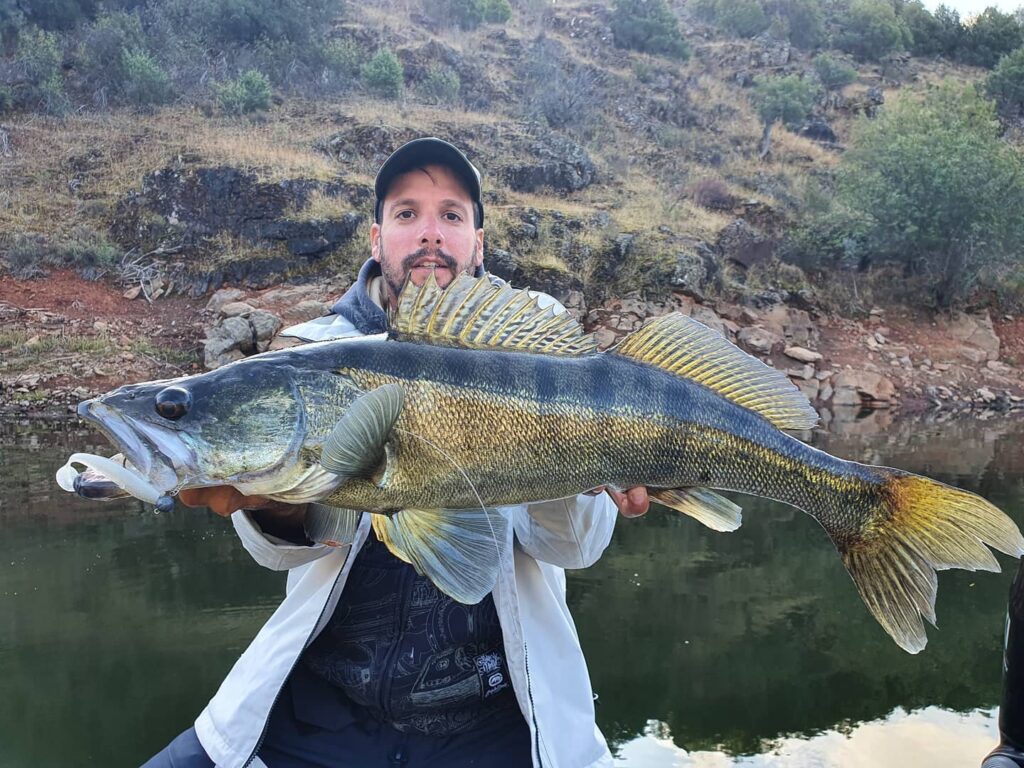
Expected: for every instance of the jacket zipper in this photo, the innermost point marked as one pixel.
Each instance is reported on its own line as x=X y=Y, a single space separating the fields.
x=404 y=593
x=533 y=710
x=266 y=723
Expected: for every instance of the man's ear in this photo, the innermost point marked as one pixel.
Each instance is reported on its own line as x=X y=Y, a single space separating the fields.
x=375 y=241
x=478 y=257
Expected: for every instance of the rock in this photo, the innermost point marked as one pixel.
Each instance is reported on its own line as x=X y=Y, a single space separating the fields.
x=289 y=294
x=556 y=163
x=801 y=354
x=998 y=367
x=859 y=388
x=310 y=309
x=817 y=128
x=236 y=309
x=101 y=326
x=986 y=394
x=805 y=373
x=880 y=337
x=264 y=326
x=220 y=351
x=132 y=293
x=758 y=341
x=771 y=51
x=605 y=337
x=707 y=316
x=222 y=297
x=232 y=333
x=794 y=325
x=975 y=333
x=744 y=244
x=825 y=392
x=809 y=387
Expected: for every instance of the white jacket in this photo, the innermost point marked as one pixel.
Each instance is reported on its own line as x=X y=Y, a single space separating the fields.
x=549 y=673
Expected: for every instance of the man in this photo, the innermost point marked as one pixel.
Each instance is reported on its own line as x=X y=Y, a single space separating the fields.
x=366 y=663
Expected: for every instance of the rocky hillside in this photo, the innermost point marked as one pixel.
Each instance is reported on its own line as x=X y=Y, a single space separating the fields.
x=625 y=184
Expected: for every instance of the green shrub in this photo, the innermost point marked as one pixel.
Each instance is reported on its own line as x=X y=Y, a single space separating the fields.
x=649 y=26
x=743 y=18
x=248 y=93
x=441 y=85
x=58 y=14
x=832 y=72
x=38 y=61
x=104 y=44
x=497 y=11
x=936 y=190
x=383 y=75
x=925 y=30
x=1005 y=83
x=784 y=99
x=950 y=33
x=804 y=21
x=246 y=21
x=6 y=99
x=344 y=57
x=870 y=29
x=144 y=83
x=990 y=36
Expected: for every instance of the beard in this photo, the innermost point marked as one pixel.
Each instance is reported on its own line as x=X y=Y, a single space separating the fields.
x=397 y=275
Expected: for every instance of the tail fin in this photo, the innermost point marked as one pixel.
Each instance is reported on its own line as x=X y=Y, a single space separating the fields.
x=920 y=526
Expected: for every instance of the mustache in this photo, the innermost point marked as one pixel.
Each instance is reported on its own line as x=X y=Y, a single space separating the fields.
x=446 y=258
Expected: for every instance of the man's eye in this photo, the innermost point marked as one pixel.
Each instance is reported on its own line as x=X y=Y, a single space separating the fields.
x=451 y=216
x=404 y=215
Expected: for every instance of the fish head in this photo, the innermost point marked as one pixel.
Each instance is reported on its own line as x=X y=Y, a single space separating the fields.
x=241 y=425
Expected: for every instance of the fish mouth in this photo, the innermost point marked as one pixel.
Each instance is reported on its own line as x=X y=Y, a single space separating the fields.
x=158 y=455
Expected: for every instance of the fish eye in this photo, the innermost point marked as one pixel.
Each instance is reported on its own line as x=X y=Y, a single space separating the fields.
x=173 y=403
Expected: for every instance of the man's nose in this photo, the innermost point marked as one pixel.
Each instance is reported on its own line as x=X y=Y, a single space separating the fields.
x=431 y=234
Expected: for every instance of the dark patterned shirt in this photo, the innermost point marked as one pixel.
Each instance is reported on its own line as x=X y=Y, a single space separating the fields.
x=409 y=654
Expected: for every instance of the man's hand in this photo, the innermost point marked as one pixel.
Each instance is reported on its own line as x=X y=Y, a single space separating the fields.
x=633 y=503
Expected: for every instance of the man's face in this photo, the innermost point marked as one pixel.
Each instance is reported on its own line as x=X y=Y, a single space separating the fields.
x=426 y=227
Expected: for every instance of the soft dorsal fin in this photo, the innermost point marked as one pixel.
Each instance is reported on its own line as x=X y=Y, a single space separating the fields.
x=477 y=314
x=683 y=346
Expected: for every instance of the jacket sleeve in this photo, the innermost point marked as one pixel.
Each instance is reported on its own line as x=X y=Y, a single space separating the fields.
x=568 y=533
x=270 y=551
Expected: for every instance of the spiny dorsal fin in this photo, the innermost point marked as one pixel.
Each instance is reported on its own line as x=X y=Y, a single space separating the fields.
x=477 y=314
x=681 y=345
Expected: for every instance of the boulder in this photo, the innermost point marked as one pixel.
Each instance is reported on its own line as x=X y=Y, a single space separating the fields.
x=862 y=388
x=794 y=325
x=222 y=297
x=975 y=334
x=758 y=341
x=555 y=163
x=802 y=355
x=236 y=309
x=310 y=309
x=771 y=51
x=264 y=326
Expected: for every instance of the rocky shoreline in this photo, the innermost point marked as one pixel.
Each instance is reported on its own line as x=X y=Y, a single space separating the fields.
x=891 y=360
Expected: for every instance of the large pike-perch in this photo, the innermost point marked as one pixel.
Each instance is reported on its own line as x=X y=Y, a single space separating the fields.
x=480 y=398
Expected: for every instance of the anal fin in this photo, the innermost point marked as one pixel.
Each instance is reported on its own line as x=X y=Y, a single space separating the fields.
x=458 y=550
x=713 y=510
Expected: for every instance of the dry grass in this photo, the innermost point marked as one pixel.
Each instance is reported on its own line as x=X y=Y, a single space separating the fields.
x=320 y=207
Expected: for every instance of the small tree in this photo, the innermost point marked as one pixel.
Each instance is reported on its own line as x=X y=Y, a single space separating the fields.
x=1006 y=83
x=990 y=36
x=743 y=18
x=144 y=82
x=650 y=26
x=871 y=29
x=935 y=189
x=38 y=61
x=787 y=99
x=250 y=92
x=441 y=85
x=950 y=31
x=925 y=30
x=804 y=20
x=383 y=75
x=832 y=72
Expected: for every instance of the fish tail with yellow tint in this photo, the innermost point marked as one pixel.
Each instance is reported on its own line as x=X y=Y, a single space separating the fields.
x=915 y=527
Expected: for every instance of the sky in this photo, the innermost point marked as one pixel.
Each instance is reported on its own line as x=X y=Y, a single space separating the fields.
x=974 y=7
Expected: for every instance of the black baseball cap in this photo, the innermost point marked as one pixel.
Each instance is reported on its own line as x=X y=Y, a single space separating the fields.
x=427 y=151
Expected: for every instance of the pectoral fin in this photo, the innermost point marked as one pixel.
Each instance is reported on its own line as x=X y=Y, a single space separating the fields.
x=358 y=444
x=703 y=505
x=333 y=526
x=458 y=550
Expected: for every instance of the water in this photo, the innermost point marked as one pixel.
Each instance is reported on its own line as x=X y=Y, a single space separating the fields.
x=706 y=650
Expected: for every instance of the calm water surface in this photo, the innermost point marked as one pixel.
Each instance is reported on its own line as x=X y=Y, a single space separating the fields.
x=706 y=650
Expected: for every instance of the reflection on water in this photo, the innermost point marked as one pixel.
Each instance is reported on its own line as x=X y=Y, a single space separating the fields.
x=706 y=649
x=923 y=739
